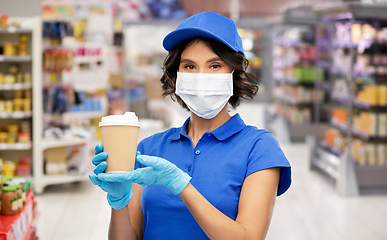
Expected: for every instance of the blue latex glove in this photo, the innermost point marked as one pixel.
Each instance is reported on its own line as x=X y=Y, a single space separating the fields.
x=118 y=193
x=158 y=172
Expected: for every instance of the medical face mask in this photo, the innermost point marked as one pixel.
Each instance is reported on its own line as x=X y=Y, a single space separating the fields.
x=204 y=94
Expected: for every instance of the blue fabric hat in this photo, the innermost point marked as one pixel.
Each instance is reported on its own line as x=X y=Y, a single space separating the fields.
x=206 y=24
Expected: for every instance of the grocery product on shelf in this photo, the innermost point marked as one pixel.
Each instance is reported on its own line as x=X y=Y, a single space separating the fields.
x=15 y=93
x=14 y=76
x=14 y=195
x=17 y=48
x=373 y=95
x=4 y=20
x=23 y=166
x=366 y=122
x=335 y=141
x=15 y=133
x=57 y=29
x=16 y=167
x=56 y=161
x=9 y=201
x=9 y=168
x=294 y=115
x=366 y=153
x=19 y=195
x=58 y=60
x=19 y=225
x=297 y=94
x=340 y=115
x=18 y=180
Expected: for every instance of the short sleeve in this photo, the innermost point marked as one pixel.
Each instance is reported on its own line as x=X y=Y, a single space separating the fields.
x=267 y=153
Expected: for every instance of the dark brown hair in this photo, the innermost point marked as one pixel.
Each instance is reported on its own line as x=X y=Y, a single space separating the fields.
x=245 y=84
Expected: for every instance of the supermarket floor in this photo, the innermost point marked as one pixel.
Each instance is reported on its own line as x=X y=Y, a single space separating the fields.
x=310 y=210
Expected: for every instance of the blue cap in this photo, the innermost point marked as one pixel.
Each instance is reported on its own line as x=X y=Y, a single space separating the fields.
x=206 y=24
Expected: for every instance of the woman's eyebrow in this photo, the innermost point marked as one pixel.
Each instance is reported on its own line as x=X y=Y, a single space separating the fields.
x=215 y=59
x=186 y=61
x=210 y=60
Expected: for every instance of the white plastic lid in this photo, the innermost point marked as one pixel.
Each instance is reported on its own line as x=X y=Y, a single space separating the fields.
x=128 y=119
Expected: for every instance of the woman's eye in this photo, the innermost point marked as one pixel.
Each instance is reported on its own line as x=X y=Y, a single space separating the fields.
x=215 y=66
x=189 y=67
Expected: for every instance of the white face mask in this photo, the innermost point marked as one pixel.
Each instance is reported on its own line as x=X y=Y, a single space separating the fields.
x=205 y=94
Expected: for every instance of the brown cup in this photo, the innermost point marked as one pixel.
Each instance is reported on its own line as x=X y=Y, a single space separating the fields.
x=119 y=134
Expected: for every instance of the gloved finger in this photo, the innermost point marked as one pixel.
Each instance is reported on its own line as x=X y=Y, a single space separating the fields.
x=154 y=162
x=95 y=180
x=113 y=177
x=120 y=177
x=100 y=168
x=147 y=176
x=98 y=149
x=100 y=157
x=138 y=153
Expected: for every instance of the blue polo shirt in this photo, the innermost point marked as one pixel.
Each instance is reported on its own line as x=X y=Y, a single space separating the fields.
x=218 y=165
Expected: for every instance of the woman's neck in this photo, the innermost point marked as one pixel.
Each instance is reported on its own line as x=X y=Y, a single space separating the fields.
x=198 y=126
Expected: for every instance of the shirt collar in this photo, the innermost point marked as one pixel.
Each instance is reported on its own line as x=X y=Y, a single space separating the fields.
x=232 y=126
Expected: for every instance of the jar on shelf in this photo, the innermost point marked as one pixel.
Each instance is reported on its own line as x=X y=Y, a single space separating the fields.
x=25 y=126
x=19 y=196
x=17 y=104
x=23 y=137
x=11 y=138
x=17 y=94
x=13 y=128
x=27 y=77
x=4 y=20
x=8 y=106
x=3 y=137
x=23 y=167
x=22 y=182
x=9 y=201
x=10 y=49
x=28 y=94
x=19 y=78
x=19 y=192
x=9 y=79
x=23 y=49
x=23 y=38
x=27 y=105
x=9 y=168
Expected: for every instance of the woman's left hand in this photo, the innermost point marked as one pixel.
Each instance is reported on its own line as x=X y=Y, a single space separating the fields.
x=158 y=172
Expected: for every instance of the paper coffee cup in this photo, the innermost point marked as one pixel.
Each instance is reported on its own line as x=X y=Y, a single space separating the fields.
x=119 y=134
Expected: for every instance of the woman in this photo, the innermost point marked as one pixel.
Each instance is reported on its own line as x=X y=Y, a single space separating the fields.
x=213 y=178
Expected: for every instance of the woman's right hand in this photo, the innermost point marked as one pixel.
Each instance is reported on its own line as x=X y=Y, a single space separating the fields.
x=118 y=193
